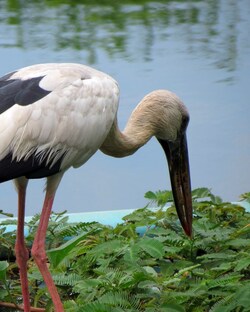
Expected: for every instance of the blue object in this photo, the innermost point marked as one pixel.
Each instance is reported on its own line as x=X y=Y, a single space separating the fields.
x=111 y=218
x=108 y=217
x=243 y=204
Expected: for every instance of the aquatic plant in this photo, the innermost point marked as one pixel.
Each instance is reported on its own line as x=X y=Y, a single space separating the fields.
x=145 y=263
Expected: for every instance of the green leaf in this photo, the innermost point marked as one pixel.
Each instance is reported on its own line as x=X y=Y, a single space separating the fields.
x=173 y=307
x=245 y=196
x=9 y=215
x=224 y=281
x=150 y=195
x=151 y=271
x=57 y=255
x=160 y=198
x=242 y=264
x=201 y=192
x=3 y=269
x=152 y=246
x=107 y=247
x=242 y=297
x=238 y=242
x=187 y=269
x=132 y=253
x=219 y=255
x=215 y=199
x=87 y=285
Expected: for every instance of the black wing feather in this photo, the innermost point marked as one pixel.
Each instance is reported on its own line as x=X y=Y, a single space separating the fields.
x=31 y=168
x=18 y=91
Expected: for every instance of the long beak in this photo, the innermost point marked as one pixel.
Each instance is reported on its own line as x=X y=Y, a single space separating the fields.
x=177 y=155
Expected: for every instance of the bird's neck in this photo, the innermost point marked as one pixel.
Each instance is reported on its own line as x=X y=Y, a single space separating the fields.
x=158 y=114
x=122 y=144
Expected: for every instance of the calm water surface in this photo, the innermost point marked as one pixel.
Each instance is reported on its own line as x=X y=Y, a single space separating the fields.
x=198 y=49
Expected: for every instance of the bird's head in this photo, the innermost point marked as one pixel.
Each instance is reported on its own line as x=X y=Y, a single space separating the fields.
x=168 y=121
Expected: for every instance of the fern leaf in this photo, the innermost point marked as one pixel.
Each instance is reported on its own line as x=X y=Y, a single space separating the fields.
x=152 y=246
x=63 y=279
x=224 y=281
x=120 y=299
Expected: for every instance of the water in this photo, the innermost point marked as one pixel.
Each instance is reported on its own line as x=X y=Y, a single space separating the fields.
x=198 y=49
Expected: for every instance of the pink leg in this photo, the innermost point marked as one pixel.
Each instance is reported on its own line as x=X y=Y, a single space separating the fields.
x=22 y=254
x=38 y=249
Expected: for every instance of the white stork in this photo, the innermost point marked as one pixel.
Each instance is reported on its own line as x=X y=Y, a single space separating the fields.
x=56 y=116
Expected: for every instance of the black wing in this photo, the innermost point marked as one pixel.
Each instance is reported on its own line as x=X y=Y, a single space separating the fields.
x=31 y=168
x=18 y=91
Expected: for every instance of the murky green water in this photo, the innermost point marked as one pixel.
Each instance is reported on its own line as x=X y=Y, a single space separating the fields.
x=198 y=49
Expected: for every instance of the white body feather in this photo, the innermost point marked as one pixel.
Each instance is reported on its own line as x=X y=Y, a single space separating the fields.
x=72 y=120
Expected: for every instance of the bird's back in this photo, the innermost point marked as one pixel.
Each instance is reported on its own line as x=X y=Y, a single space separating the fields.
x=53 y=116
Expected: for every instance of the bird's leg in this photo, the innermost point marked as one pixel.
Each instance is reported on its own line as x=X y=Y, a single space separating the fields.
x=22 y=254
x=38 y=249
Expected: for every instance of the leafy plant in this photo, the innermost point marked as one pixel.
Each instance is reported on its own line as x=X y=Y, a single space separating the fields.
x=145 y=263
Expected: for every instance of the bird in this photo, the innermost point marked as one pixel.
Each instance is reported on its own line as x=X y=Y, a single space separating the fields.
x=55 y=116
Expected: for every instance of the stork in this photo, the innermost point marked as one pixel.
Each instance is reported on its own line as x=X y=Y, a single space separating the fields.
x=56 y=116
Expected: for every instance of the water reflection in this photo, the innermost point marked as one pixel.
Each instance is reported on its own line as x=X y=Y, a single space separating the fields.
x=111 y=25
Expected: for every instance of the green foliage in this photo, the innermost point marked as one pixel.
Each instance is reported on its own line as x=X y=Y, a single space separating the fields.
x=146 y=263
